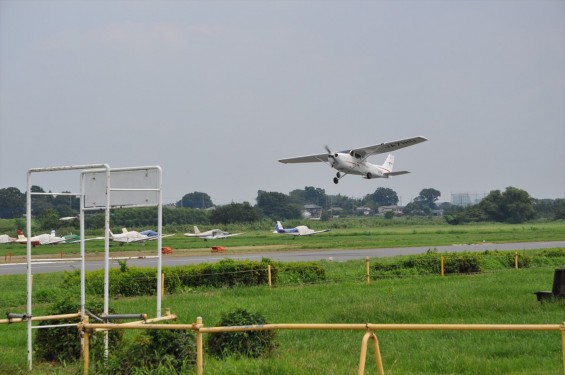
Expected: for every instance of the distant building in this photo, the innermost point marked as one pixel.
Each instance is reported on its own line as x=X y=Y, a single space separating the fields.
x=384 y=209
x=363 y=210
x=312 y=211
x=466 y=199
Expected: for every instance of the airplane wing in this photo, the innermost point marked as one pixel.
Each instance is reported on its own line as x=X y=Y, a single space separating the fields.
x=228 y=235
x=321 y=231
x=364 y=152
x=396 y=173
x=307 y=159
x=382 y=148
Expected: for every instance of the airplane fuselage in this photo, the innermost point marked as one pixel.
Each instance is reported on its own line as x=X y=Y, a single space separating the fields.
x=352 y=164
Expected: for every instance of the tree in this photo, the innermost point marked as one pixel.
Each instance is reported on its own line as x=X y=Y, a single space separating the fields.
x=315 y=196
x=384 y=197
x=49 y=219
x=234 y=213
x=276 y=206
x=195 y=200
x=428 y=197
x=517 y=205
x=12 y=203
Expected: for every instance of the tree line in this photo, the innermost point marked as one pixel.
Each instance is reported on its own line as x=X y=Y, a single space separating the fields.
x=512 y=206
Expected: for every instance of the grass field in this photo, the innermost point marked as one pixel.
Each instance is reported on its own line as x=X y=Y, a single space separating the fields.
x=497 y=297
x=345 y=234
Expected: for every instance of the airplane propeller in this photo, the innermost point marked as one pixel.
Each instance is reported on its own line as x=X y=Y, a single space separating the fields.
x=330 y=155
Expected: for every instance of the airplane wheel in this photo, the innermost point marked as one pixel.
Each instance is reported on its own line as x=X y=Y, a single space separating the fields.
x=369 y=176
x=336 y=180
x=338 y=175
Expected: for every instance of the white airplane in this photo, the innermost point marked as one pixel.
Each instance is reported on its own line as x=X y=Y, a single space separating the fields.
x=4 y=238
x=301 y=230
x=354 y=161
x=42 y=239
x=129 y=236
x=212 y=234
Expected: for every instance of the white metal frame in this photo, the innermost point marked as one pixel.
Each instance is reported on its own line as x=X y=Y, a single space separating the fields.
x=107 y=172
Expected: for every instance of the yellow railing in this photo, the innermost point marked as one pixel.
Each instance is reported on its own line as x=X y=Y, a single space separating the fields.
x=200 y=330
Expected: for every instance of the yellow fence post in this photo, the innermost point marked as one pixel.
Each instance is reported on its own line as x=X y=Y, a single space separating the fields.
x=516 y=260
x=269 y=272
x=363 y=354
x=442 y=266
x=199 y=347
x=562 y=328
x=368 y=270
x=85 y=348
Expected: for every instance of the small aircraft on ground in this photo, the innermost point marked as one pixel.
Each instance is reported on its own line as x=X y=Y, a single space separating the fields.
x=212 y=234
x=4 y=238
x=354 y=161
x=42 y=239
x=301 y=230
x=134 y=236
x=74 y=238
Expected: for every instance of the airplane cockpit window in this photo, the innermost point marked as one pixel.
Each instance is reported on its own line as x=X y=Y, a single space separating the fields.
x=355 y=155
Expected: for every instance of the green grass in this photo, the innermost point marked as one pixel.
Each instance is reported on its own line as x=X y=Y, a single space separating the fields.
x=503 y=297
x=345 y=234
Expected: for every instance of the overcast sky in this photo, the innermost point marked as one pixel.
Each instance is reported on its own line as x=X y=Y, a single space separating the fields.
x=216 y=92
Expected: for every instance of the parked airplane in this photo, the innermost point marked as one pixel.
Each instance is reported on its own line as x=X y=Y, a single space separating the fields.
x=301 y=230
x=212 y=234
x=134 y=236
x=42 y=239
x=354 y=161
x=4 y=238
x=74 y=238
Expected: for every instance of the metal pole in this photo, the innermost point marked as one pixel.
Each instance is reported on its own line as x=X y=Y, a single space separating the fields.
x=29 y=274
x=367 y=269
x=159 y=242
x=107 y=256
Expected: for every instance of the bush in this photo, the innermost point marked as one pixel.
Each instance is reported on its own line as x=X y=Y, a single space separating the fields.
x=64 y=344
x=128 y=281
x=251 y=344
x=169 y=351
x=467 y=263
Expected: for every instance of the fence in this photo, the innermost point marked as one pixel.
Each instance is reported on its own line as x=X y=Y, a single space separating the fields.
x=200 y=329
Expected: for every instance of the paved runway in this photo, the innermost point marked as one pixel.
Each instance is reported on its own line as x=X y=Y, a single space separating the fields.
x=283 y=256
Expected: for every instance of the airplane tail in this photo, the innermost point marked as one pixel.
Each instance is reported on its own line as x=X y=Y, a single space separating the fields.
x=53 y=233
x=196 y=231
x=388 y=164
x=279 y=228
x=124 y=230
x=21 y=235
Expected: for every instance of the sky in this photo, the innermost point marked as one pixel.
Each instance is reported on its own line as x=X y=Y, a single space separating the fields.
x=216 y=92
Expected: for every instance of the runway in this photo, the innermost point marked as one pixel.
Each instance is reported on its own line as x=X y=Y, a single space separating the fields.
x=339 y=255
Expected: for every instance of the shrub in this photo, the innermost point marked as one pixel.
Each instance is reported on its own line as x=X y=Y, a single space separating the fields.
x=169 y=351
x=467 y=263
x=64 y=344
x=251 y=344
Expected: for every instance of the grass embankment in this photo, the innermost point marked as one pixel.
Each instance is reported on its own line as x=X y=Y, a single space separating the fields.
x=345 y=234
x=503 y=297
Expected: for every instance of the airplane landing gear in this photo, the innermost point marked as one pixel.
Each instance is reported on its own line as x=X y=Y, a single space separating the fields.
x=337 y=177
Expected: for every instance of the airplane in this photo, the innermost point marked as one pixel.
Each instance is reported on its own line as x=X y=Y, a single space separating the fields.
x=134 y=236
x=354 y=161
x=4 y=238
x=74 y=238
x=42 y=239
x=301 y=230
x=212 y=234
